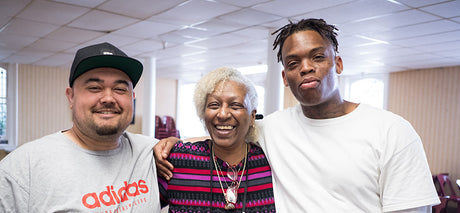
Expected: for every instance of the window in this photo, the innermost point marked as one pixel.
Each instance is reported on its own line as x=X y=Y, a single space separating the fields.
x=8 y=103
x=370 y=90
x=187 y=121
x=3 y=106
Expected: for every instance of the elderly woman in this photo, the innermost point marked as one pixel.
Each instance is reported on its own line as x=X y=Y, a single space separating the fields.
x=227 y=173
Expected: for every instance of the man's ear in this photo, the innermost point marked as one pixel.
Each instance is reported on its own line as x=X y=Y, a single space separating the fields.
x=338 y=65
x=69 y=94
x=283 y=74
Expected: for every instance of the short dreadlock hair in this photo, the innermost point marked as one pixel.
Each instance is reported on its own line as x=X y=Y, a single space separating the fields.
x=319 y=25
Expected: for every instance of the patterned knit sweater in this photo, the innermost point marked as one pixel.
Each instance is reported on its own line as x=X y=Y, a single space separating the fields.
x=191 y=189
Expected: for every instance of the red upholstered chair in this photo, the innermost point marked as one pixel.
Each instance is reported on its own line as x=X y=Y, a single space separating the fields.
x=446 y=193
x=168 y=122
x=158 y=122
x=167 y=127
x=175 y=133
x=158 y=126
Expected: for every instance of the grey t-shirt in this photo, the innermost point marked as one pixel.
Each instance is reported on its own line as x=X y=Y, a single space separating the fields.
x=53 y=174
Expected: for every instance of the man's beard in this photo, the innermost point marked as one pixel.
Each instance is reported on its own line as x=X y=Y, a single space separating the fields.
x=89 y=125
x=106 y=130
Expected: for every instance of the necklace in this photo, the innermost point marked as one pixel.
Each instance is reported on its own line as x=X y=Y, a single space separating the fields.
x=231 y=194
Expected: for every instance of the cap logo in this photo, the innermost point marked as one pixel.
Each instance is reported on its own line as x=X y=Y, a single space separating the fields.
x=107 y=53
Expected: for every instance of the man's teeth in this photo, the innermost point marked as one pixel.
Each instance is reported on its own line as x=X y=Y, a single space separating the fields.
x=224 y=127
x=106 y=112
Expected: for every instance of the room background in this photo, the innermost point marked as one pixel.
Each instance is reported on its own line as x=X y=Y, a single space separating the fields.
x=429 y=99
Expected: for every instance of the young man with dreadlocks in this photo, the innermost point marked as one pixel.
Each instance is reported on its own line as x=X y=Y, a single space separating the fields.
x=331 y=155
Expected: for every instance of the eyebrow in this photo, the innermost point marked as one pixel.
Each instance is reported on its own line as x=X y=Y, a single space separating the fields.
x=101 y=81
x=309 y=52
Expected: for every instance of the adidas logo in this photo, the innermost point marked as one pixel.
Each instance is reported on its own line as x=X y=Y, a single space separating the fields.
x=111 y=197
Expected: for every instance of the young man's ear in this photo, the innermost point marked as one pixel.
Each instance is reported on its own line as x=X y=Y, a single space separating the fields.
x=338 y=64
x=283 y=74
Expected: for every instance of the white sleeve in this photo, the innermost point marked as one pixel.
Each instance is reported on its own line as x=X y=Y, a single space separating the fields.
x=405 y=180
x=423 y=209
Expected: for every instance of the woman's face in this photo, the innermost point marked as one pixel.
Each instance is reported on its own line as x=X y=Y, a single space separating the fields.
x=226 y=115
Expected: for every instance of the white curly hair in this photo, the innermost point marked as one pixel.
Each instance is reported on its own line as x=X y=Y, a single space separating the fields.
x=207 y=84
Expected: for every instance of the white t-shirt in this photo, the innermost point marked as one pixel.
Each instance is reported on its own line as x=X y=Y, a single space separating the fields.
x=369 y=160
x=53 y=174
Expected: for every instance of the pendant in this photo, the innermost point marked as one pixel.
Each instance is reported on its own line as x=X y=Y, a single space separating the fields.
x=231 y=196
x=229 y=206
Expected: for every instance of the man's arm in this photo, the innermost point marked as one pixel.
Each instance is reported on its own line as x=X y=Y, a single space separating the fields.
x=161 y=152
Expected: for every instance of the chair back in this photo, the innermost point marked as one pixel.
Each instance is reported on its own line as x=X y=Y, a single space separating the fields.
x=445 y=185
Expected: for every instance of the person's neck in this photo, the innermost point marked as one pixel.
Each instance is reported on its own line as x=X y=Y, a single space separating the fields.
x=94 y=143
x=233 y=155
x=329 y=109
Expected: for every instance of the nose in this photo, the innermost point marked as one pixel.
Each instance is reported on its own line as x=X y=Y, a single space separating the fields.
x=107 y=97
x=306 y=67
x=223 y=113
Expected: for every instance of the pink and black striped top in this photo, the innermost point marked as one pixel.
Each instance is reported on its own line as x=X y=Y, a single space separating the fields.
x=190 y=188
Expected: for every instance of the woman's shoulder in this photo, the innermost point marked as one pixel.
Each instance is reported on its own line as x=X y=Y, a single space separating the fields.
x=198 y=146
x=255 y=149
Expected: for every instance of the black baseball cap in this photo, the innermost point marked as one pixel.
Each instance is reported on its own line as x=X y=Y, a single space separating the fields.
x=104 y=55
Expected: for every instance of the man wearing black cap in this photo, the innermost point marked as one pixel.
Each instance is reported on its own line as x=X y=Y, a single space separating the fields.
x=95 y=166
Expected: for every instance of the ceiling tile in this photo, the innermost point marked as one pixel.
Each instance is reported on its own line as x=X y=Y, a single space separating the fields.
x=146 y=29
x=84 y=3
x=28 y=56
x=374 y=36
x=388 y=22
x=73 y=35
x=15 y=42
x=176 y=51
x=415 y=30
x=29 y=28
x=440 y=47
x=429 y=39
x=10 y=8
x=60 y=59
x=50 y=12
x=173 y=38
x=404 y=59
x=289 y=8
x=221 y=41
x=51 y=45
x=431 y=62
x=4 y=21
x=421 y=3
x=116 y=40
x=354 y=11
x=249 y=17
x=101 y=21
x=274 y=25
x=193 y=12
x=143 y=8
x=143 y=46
x=210 y=28
x=350 y=41
x=446 y=10
x=254 y=32
x=453 y=53
x=5 y=53
x=243 y=3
